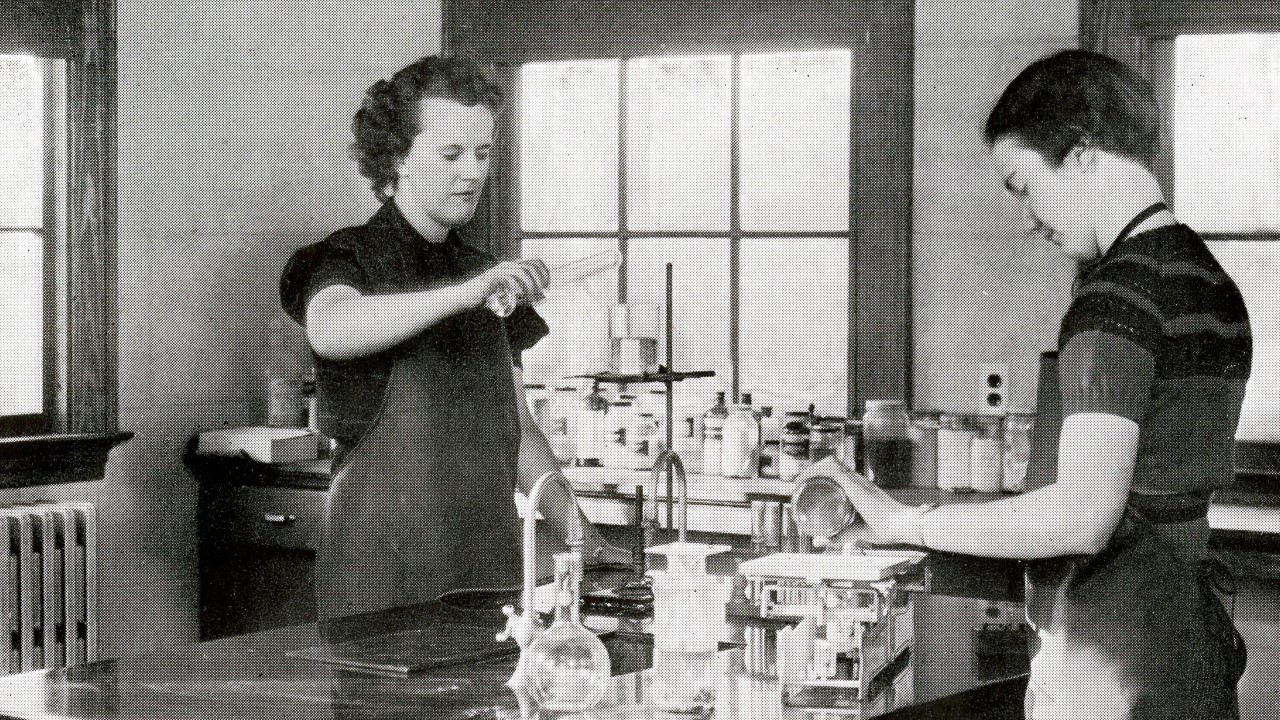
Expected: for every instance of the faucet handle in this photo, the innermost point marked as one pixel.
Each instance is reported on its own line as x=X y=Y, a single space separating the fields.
x=509 y=630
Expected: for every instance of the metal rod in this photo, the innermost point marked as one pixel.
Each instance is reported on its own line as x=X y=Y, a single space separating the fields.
x=639 y=560
x=670 y=387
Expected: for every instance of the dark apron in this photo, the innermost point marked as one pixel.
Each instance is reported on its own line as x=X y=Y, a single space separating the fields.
x=423 y=503
x=1132 y=632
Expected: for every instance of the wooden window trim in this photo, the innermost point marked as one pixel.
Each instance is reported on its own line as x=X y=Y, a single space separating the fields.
x=501 y=34
x=81 y=303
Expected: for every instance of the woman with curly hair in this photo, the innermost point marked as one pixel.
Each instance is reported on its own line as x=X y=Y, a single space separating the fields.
x=417 y=380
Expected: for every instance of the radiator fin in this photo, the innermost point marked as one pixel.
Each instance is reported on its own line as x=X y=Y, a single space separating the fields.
x=48 y=586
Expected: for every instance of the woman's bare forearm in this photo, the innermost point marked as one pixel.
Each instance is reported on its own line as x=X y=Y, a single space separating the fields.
x=343 y=324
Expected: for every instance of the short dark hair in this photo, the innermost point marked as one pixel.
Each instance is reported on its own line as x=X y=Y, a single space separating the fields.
x=1076 y=97
x=387 y=122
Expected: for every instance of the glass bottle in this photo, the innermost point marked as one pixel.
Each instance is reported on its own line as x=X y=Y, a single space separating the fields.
x=1017 y=452
x=985 y=459
x=741 y=442
x=568 y=667
x=713 y=437
x=794 y=445
x=617 y=453
x=590 y=428
x=770 y=442
x=954 y=454
x=887 y=439
x=564 y=404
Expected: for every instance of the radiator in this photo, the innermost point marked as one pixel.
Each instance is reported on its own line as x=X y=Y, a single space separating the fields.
x=49 y=586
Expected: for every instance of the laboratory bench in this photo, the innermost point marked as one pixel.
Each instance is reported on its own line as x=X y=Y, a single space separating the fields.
x=258 y=524
x=276 y=673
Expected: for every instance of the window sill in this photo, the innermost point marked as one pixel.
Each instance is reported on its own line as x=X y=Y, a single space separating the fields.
x=56 y=459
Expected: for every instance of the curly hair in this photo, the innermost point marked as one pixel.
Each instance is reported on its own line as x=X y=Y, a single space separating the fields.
x=1076 y=97
x=387 y=122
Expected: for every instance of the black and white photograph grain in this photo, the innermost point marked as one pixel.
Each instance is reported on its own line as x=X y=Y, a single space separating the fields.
x=639 y=360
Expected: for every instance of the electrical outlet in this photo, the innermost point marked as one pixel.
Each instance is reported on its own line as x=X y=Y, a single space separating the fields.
x=993 y=388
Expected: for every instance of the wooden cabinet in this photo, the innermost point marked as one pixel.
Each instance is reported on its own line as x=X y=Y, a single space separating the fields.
x=257 y=557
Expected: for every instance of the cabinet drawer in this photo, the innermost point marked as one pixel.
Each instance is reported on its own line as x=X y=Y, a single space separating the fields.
x=270 y=516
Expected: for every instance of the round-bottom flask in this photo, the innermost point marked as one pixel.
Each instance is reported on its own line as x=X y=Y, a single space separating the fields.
x=567 y=666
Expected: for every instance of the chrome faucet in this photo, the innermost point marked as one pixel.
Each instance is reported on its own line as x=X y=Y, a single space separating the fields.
x=669 y=461
x=524 y=627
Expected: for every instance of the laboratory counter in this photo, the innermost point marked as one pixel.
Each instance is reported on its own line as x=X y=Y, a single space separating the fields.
x=275 y=674
x=1245 y=516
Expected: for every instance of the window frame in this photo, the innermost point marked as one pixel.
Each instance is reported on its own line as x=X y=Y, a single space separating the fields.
x=1143 y=33
x=81 y=422
x=879 y=34
x=52 y=232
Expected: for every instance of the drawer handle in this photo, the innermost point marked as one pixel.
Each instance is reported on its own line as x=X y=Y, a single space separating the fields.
x=279 y=518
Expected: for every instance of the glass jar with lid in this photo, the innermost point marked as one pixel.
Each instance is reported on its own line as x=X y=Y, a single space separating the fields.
x=824 y=438
x=886 y=428
x=794 y=445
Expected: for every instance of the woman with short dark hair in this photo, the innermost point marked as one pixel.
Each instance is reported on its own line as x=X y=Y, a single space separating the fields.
x=1154 y=354
x=417 y=380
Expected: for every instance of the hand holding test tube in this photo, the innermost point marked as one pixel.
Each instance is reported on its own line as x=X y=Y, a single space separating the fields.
x=504 y=300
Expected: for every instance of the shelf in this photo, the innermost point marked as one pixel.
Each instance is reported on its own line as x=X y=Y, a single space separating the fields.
x=661 y=376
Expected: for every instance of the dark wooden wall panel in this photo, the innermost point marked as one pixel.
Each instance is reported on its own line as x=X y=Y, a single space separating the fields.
x=880 y=349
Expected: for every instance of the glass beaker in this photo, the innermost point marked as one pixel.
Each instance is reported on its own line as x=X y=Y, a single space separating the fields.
x=821 y=508
x=503 y=301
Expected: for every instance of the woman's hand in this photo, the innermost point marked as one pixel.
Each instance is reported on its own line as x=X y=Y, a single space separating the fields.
x=888 y=522
x=525 y=279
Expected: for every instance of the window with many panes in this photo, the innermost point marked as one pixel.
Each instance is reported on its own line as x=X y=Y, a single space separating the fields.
x=1226 y=183
x=57 y=229
x=32 y=153
x=735 y=169
x=763 y=149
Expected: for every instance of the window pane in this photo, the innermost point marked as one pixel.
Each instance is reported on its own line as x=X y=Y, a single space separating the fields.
x=700 y=294
x=794 y=322
x=1227 y=132
x=678 y=143
x=578 y=314
x=21 y=143
x=795 y=141
x=569 y=146
x=22 y=323
x=1255 y=266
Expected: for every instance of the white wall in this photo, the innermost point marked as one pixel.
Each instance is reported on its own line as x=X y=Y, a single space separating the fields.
x=983 y=292
x=234 y=120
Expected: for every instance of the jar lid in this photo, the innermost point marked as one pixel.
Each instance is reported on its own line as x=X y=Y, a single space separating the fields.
x=885 y=404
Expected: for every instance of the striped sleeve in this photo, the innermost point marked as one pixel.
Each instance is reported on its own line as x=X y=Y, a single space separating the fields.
x=1100 y=372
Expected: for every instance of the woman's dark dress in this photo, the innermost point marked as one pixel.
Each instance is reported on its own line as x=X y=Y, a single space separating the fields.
x=428 y=431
